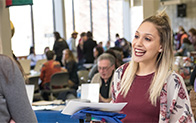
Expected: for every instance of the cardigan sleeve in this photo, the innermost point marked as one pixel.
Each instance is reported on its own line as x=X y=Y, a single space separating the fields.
x=116 y=86
x=178 y=102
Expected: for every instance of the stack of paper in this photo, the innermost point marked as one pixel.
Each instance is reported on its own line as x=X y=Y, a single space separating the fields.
x=74 y=106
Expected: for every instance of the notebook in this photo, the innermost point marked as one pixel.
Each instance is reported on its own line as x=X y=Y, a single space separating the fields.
x=90 y=92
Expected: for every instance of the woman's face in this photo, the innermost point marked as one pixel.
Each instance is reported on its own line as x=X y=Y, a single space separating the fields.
x=190 y=33
x=66 y=54
x=146 y=44
x=95 y=53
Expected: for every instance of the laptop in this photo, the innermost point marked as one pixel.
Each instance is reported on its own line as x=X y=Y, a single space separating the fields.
x=90 y=92
x=39 y=65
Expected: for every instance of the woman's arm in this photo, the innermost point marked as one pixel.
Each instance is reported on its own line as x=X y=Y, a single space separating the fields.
x=13 y=89
x=178 y=102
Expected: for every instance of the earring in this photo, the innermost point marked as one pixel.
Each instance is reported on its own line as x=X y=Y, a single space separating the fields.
x=160 y=50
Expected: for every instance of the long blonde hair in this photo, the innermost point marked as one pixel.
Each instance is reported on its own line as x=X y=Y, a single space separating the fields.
x=164 y=60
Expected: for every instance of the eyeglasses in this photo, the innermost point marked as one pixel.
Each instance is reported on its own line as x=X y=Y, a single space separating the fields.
x=104 y=68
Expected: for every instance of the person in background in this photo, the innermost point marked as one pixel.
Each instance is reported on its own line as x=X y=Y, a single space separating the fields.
x=32 y=56
x=126 y=47
x=100 y=44
x=192 y=37
x=15 y=106
x=80 y=53
x=152 y=90
x=71 y=67
x=97 y=51
x=117 y=42
x=119 y=55
x=46 y=49
x=106 y=67
x=107 y=46
x=180 y=36
x=185 y=48
x=72 y=43
x=59 y=45
x=48 y=69
x=88 y=48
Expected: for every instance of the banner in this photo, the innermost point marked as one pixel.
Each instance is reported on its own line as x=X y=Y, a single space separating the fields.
x=18 y=2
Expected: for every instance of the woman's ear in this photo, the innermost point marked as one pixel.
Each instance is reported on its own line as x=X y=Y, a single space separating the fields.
x=160 y=49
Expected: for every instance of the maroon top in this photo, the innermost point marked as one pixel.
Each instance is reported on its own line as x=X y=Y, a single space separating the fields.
x=139 y=107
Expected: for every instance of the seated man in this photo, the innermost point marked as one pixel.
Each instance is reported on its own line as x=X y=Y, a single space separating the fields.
x=48 y=69
x=106 y=67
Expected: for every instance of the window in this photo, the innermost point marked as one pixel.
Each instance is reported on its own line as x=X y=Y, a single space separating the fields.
x=68 y=18
x=22 y=39
x=82 y=15
x=43 y=25
x=100 y=25
x=116 y=18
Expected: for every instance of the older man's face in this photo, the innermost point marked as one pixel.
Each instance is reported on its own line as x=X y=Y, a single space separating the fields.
x=105 y=69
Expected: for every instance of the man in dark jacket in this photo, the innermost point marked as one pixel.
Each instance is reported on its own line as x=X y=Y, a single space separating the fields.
x=88 y=48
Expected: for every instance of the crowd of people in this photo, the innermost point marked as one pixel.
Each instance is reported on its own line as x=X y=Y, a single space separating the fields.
x=184 y=43
x=67 y=57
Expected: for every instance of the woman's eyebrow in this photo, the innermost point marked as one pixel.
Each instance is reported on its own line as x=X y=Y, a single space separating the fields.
x=146 y=33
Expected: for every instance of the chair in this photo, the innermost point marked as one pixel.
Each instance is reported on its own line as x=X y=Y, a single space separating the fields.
x=59 y=79
x=83 y=76
x=34 y=81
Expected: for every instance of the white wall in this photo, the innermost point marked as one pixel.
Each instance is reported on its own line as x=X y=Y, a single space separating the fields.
x=187 y=22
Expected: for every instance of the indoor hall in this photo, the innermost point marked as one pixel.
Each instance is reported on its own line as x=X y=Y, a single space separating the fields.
x=72 y=50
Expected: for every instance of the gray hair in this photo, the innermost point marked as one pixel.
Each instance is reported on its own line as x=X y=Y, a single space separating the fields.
x=107 y=56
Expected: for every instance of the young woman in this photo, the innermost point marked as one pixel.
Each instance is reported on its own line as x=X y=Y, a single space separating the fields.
x=154 y=92
x=71 y=66
x=33 y=57
x=14 y=103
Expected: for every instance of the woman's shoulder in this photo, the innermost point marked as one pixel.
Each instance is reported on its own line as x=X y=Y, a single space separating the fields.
x=174 y=78
x=5 y=60
x=118 y=74
x=122 y=68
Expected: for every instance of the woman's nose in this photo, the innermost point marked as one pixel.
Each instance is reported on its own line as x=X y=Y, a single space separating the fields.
x=139 y=42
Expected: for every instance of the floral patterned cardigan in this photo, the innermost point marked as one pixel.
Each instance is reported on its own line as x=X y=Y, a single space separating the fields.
x=174 y=100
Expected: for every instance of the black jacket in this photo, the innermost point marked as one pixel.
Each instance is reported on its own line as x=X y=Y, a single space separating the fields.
x=88 y=50
x=59 y=46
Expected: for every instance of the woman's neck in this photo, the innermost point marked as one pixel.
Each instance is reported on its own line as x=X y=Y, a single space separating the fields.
x=145 y=69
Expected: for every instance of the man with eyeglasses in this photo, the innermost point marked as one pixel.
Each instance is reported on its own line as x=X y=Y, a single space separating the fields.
x=106 y=67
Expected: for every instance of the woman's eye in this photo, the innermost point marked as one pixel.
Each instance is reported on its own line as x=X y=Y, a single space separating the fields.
x=136 y=36
x=148 y=39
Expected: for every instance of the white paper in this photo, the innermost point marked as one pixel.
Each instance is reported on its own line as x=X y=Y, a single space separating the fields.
x=43 y=102
x=49 y=107
x=74 y=106
x=90 y=92
x=30 y=92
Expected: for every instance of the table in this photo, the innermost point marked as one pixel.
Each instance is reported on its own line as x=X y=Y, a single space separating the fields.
x=53 y=117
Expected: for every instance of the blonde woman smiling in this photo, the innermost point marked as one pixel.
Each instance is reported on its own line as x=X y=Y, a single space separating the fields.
x=154 y=92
